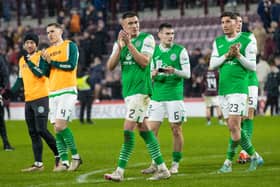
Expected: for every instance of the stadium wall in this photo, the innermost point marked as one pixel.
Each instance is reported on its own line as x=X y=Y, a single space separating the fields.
x=113 y=109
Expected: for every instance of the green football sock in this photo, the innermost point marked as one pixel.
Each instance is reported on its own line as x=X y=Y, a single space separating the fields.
x=69 y=140
x=246 y=144
x=248 y=127
x=152 y=145
x=232 y=149
x=61 y=147
x=177 y=156
x=127 y=148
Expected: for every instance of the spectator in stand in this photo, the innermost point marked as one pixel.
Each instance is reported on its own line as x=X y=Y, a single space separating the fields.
x=270 y=45
x=6 y=8
x=75 y=22
x=13 y=54
x=277 y=61
x=96 y=76
x=86 y=44
x=246 y=24
x=262 y=71
x=113 y=81
x=276 y=38
x=61 y=16
x=275 y=11
x=101 y=38
x=89 y=16
x=197 y=77
x=272 y=89
x=195 y=55
x=264 y=7
x=260 y=35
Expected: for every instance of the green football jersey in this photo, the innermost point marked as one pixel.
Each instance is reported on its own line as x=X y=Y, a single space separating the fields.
x=233 y=76
x=168 y=87
x=135 y=79
x=253 y=79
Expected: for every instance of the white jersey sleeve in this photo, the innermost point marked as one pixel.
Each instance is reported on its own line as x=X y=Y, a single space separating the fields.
x=215 y=60
x=148 y=45
x=185 y=65
x=249 y=60
x=115 y=48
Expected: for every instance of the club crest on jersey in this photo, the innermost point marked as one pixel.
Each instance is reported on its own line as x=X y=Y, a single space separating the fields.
x=41 y=109
x=173 y=57
x=138 y=43
x=128 y=56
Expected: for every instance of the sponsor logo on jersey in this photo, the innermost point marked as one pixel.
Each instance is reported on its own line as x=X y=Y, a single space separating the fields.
x=230 y=62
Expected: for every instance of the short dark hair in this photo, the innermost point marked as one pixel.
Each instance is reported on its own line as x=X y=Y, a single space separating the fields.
x=128 y=15
x=237 y=14
x=164 y=25
x=229 y=14
x=55 y=25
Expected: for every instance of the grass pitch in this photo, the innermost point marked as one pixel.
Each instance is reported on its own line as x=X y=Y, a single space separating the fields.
x=99 y=146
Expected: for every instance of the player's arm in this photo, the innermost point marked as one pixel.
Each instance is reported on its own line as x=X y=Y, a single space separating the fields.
x=114 y=57
x=72 y=59
x=18 y=84
x=216 y=60
x=185 y=65
x=249 y=60
x=143 y=56
x=39 y=71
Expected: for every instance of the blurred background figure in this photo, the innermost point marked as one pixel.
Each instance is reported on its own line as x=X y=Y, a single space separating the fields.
x=4 y=84
x=85 y=96
x=96 y=76
x=271 y=89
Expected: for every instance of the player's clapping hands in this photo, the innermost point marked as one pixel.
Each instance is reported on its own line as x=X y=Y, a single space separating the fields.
x=46 y=56
x=234 y=51
x=125 y=37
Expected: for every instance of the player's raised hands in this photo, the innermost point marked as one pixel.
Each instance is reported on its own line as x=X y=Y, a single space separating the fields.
x=125 y=37
x=46 y=56
x=120 y=41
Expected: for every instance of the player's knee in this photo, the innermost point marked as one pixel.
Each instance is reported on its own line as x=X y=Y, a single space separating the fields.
x=176 y=130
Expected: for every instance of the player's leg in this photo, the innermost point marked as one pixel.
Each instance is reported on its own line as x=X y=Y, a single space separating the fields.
x=37 y=146
x=151 y=143
x=41 y=110
x=215 y=104
x=129 y=139
x=3 y=131
x=89 y=106
x=154 y=125
x=65 y=105
x=154 y=151
x=82 y=110
x=231 y=112
x=208 y=109
x=176 y=115
x=155 y=115
x=247 y=123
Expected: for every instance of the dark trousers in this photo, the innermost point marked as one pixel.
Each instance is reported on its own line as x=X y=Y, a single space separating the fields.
x=272 y=101
x=36 y=117
x=3 y=131
x=86 y=100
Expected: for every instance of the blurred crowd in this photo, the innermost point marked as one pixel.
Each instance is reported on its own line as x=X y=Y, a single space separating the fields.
x=89 y=26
